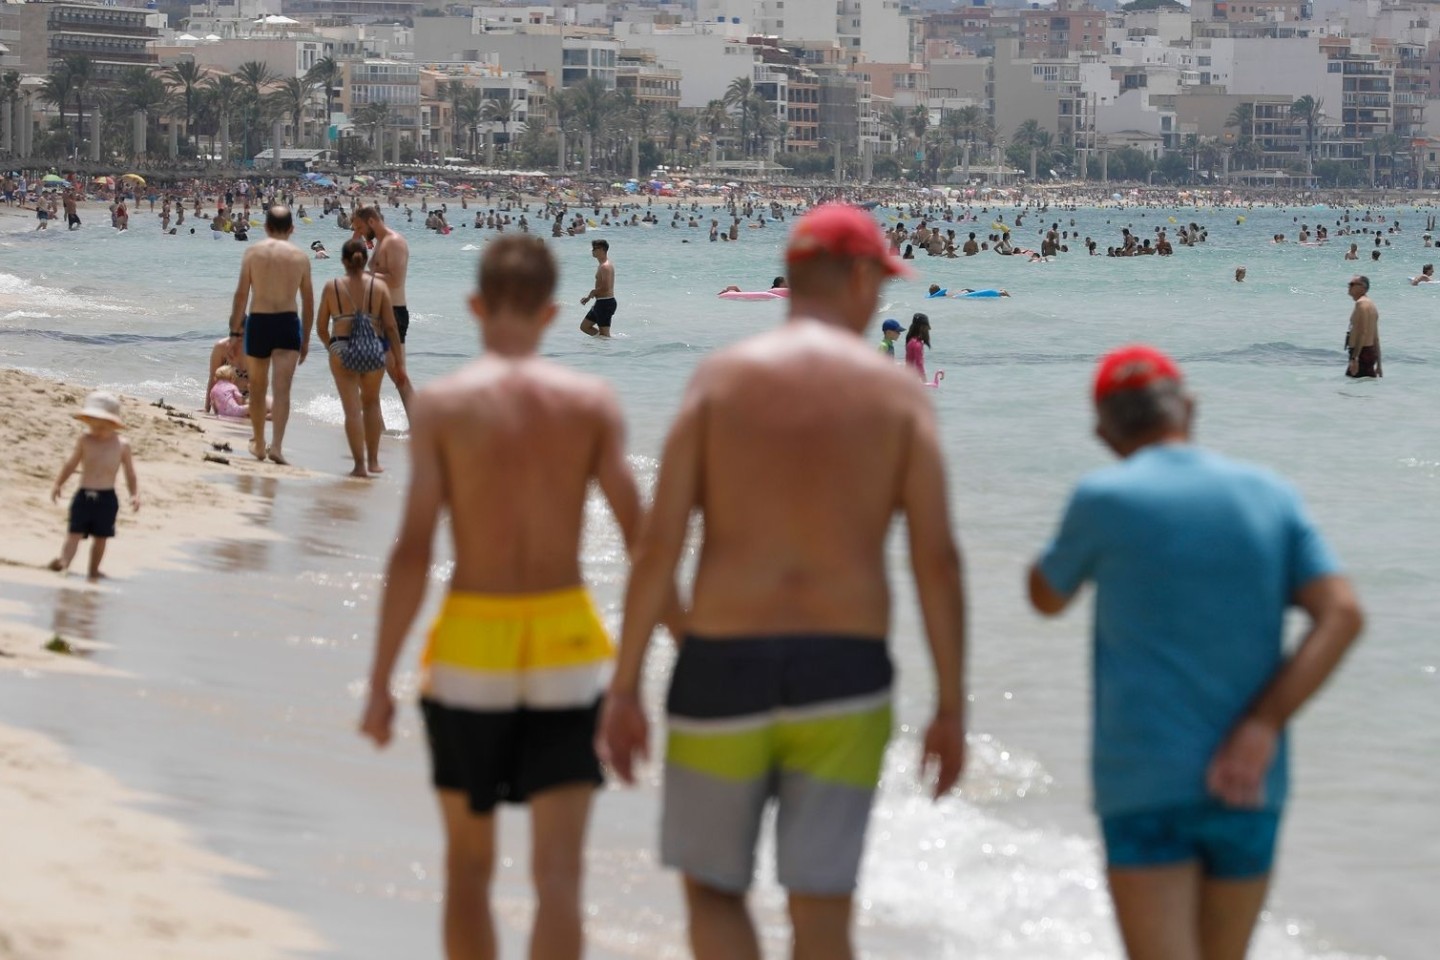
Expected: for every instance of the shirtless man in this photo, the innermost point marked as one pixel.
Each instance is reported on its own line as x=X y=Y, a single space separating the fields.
x=390 y=262
x=507 y=447
x=798 y=446
x=1363 y=341
x=272 y=273
x=597 y=321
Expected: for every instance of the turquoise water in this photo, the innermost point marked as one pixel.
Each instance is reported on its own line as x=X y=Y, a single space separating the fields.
x=1010 y=869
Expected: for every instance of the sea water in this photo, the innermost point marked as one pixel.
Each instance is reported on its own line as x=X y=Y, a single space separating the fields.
x=249 y=671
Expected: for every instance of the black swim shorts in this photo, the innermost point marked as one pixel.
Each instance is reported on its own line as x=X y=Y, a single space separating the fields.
x=508 y=756
x=402 y=321
x=267 y=332
x=603 y=311
x=93 y=513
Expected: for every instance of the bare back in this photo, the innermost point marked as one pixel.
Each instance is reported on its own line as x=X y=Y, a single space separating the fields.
x=1364 y=324
x=518 y=441
x=805 y=437
x=274 y=270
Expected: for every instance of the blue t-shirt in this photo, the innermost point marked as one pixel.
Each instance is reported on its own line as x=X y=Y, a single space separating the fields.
x=1195 y=559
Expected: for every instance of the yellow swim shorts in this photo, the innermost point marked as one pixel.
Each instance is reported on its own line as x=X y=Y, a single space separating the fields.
x=545 y=651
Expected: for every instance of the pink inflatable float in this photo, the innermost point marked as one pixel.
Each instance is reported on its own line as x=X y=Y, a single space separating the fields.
x=779 y=293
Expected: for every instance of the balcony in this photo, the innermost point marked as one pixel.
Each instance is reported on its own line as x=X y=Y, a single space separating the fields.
x=1367 y=100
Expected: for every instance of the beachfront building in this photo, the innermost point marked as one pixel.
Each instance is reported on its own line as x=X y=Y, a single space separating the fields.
x=708 y=56
x=285 y=56
x=641 y=78
x=568 y=55
x=882 y=30
x=112 y=39
x=382 y=99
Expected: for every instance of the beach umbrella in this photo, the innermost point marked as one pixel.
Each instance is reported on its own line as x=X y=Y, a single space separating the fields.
x=442 y=184
x=325 y=182
x=135 y=177
x=465 y=186
x=211 y=38
x=107 y=181
x=426 y=186
x=187 y=38
x=360 y=178
x=409 y=184
x=52 y=178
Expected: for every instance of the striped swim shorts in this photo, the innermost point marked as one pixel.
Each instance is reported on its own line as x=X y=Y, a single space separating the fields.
x=510 y=693
x=801 y=720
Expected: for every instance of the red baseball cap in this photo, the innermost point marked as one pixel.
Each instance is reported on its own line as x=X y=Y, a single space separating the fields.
x=1133 y=367
x=841 y=230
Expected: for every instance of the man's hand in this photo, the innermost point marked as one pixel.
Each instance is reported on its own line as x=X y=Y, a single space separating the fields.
x=1353 y=367
x=135 y=502
x=623 y=735
x=944 y=750
x=304 y=350
x=584 y=300
x=1237 y=771
x=379 y=716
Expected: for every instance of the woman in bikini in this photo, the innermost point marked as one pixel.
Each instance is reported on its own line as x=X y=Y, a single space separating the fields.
x=364 y=330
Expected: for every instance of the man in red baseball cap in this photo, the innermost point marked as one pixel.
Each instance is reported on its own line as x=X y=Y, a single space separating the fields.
x=1195 y=559
x=798 y=447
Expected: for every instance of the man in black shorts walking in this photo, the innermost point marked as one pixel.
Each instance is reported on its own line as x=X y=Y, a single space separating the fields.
x=391 y=263
x=597 y=321
x=272 y=273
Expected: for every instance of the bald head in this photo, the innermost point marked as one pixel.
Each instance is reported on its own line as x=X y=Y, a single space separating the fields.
x=279 y=222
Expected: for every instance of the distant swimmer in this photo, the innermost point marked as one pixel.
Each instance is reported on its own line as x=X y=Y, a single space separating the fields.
x=1363 y=340
x=1239 y=274
x=1353 y=253
x=319 y=249
x=273 y=274
x=597 y=321
x=1427 y=275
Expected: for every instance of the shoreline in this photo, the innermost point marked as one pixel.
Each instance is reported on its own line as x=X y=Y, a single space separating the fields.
x=89 y=872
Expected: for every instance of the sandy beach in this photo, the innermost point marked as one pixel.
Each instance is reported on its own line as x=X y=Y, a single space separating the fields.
x=88 y=874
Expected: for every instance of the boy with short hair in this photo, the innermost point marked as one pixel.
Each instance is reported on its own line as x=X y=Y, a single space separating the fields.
x=517 y=660
x=597 y=321
x=890 y=331
x=99 y=455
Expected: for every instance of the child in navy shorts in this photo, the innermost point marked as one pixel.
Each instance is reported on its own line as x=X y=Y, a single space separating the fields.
x=99 y=455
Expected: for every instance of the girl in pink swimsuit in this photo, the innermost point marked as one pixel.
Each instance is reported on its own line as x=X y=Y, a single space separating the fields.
x=916 y=340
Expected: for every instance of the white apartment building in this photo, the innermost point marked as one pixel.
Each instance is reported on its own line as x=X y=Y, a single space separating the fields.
x=875 y=30
x=708 y=55
x=568 y=57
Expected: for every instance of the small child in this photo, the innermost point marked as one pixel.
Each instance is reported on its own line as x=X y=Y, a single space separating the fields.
x=100 y=453
x=225 y=397
x=890 y=330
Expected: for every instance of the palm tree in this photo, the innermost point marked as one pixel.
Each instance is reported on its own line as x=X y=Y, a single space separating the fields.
x=562 y=107
x=375 y=116
x=502 y=110
x=224 y=93
x=970 y=126
x=643 y=114
x=895 y=121
x=9 y=93
x=738 y=95
x=141 y=92
x=1242 y=118
x=593 y=105
x=81 y=74
x=57 y=90
x=293 y=96
x=714 y=118
x=469 y=111
x=1191 y=145
x=1028 y=133
x=185 y=77
x=326 y=73
x=1247 y=151
x=1308 y=110
x=675 y=119
x=253 y=75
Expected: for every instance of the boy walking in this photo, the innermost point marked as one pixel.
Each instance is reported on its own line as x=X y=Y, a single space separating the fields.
x=99 y=455
x=597 y=321
x=516 y=662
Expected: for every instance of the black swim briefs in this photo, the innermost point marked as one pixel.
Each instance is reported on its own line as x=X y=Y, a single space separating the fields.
x=402 y=321
x=93 y=513
x=267 y=332
x=603 y=311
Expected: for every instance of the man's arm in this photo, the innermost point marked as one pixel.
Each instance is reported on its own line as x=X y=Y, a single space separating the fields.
x=935 y=560
x=132 y=483
x=1045 y=598
x=409 y=567
x=1237 y=772
x=242 y=295
x=307 y=307
x=623 y=730
x=217 y=356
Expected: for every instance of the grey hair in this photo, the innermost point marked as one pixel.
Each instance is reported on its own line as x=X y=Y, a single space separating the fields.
x=1128 y=415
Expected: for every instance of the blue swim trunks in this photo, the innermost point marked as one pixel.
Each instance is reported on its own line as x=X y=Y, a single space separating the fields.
x=1229 y=843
